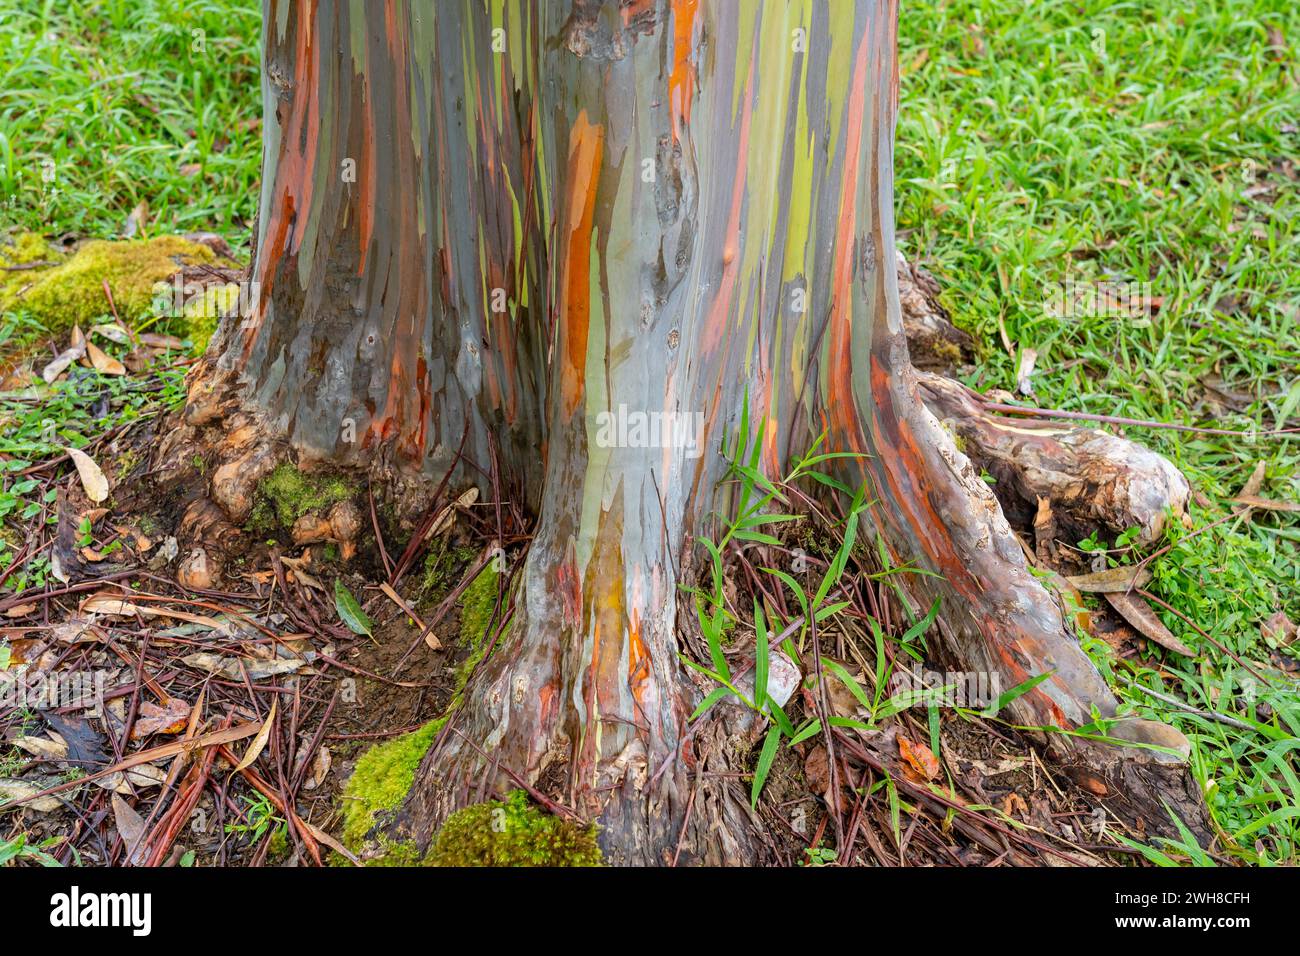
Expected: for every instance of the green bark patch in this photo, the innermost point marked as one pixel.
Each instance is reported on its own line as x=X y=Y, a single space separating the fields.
x=512 y=833
x=70 y=290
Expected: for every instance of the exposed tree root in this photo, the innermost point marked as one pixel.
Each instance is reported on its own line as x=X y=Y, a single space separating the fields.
x=1092 y=479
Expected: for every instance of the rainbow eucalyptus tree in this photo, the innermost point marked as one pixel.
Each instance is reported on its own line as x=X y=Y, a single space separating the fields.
x=574 y=237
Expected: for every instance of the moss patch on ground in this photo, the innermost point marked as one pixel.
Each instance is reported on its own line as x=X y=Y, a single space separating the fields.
x=286 y=494
x=512 y=833
x=71 y=289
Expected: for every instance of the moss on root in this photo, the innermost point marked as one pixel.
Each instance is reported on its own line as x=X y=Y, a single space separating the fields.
x=71 y=290
x=477 y=603
x=385 y=773
x=286 y=494
x=380 y=782
x=512 y=833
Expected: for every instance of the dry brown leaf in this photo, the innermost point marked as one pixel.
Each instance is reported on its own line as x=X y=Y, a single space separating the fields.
x=1279 y=630
x=320 y=768
x=92 y=479
x=14 y=791
x=1111 y=580
x=1255 y=482
x=130 y=826
x=1014 y=803
x=103 y=362
x=171 y=718
x=1025 y=371
x=259 y=742
x=918 y=762
x=1267 y=504
x=155 y=341
x=42 y=747
x=61 y=362
x=1138 y=613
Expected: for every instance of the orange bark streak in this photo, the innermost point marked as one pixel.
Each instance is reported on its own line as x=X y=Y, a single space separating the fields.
x=716 y=321
x=585 y=148
x=681 y=81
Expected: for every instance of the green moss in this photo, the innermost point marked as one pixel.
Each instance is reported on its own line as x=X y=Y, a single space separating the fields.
x=384 y=773
x=439 y=565
x=204 y=312
x=477 y=603
x=127 y=463
x=71 y=290
x=396 y=853
x=286 y=494
x=512 y=833
x=381 y=780
x=279 y=842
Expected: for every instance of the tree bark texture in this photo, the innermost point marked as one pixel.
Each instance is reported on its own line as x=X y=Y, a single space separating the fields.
x=567 y=213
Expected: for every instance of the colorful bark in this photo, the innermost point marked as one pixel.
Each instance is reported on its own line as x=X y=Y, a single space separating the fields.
x=688 y=202
x=397 y=200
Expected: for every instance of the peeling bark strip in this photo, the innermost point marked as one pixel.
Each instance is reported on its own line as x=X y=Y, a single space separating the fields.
x=563 y=211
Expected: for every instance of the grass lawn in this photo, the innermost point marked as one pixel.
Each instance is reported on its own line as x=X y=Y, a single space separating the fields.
x=1151 y=143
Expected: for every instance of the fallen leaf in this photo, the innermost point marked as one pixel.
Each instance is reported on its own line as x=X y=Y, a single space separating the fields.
x=92 y=479
x=113 y=332
x=127 y=782
x=1139 y=614
x=103 y=362
x=130 y=826
x=1111 y=580
x=1028 y=358
x=919 y=762
x=320 y=768
x=153 y=719
x=230 y=666
x=1014 y=802
x=42 y=747
x=295 y=565
x=350 y=611
x=13 y=791
x=1267 y=504
x=85 y=744
x=61 y=362
x=1255 y=482
x=259 y=742
x=1279 y=630
x=136 y=220
x=155 y=341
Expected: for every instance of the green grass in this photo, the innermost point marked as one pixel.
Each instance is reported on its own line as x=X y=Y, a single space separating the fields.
x=1031 y=149
x=121 y=103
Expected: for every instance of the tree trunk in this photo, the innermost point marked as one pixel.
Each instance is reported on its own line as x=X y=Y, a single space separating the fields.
x=571 y=217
